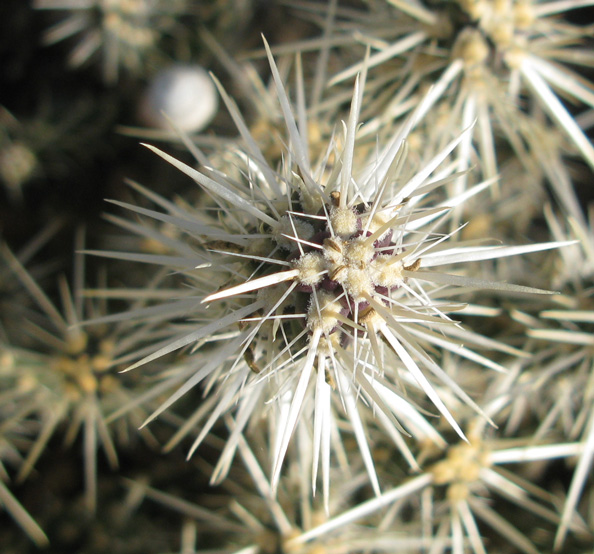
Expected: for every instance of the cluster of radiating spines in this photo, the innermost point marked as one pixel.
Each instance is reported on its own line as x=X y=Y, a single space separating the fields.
x=64 y=377
x=128 y=34
x=317 y=293
x=248 y=521
x=535 y=45
x=501 y=64
x=455 y=501
x=571 y=411
x=555 y=388
x=458 y=496
x=342 y=259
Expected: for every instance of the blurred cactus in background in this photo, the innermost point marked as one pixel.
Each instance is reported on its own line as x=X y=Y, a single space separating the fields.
x=125 y=33
x=338 y=301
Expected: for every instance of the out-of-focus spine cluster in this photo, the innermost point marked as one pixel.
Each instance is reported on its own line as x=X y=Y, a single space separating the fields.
x=358 y=295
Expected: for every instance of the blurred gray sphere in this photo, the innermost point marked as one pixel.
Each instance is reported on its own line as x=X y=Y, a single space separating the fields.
x=185 y=94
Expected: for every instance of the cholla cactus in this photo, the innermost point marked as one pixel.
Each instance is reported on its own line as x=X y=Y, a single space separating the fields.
x=329 y=289
x=451 y=494
x=453 y=500
x=500 y=63
x=249 y=521
x=64 y=377
x=573 y=408
x=331 y=306
x=126 y=32
x=562 y=339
